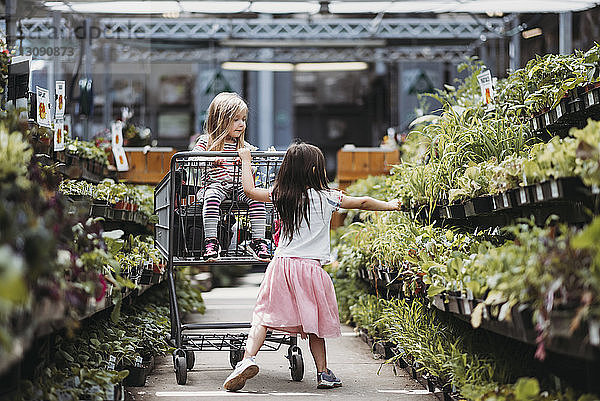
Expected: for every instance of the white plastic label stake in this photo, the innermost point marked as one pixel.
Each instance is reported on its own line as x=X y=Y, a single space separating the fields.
x=466 y=306
x=594 y=329
x=547 y=118
x=523 y=195
x=505 y=199
x=535 y=126
x=590 y=96
x=554 y=188
x=138 y=361
x=494 y=203
x=538 y=191
x=558 y=111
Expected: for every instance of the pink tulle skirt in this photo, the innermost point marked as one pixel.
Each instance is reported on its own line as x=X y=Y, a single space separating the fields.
x=297 y=296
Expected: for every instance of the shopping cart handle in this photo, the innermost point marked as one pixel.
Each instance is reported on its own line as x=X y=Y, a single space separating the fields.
x=258 y=153
x=224 y=325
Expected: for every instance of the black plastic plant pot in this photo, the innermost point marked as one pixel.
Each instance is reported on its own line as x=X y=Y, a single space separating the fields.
x=479 y=205
x=445 y=212
x=574 y=105
x=523 y=195
x=453 y=306
x=564 y=188
x=591 y=97
x=505 y=200
x=146 y=277
x=536 y=123
x=155 y=278
x=457 y=211
x=137 y=376
x=537 y=192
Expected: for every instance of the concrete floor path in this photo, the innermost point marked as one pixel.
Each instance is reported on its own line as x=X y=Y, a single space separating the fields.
x=348 y=356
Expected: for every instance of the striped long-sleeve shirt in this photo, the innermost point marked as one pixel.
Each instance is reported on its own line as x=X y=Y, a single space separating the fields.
x=225 y=172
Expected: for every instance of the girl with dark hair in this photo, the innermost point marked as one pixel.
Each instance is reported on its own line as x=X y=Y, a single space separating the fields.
x=297 y=295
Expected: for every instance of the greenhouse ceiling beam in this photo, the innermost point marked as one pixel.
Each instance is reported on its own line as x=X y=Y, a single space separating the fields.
x=453 y=54
x=281 y=29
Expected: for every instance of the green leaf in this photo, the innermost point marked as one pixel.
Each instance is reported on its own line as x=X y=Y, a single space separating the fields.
x=526 y=389
x=65 y=355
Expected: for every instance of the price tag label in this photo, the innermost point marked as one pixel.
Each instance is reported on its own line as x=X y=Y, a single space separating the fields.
x=595 y=189
x=559 y=112
x=535 y=125
x=547 y=118
x=469 y=294
x=523 y=195
x=505 y=199
x=590 y=96
x=538 y=192
x=494 y=203
x=554 y=189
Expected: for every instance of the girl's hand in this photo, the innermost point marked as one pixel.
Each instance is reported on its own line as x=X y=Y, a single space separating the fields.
x=218 y=161
x=395 y=204
x=245 y=154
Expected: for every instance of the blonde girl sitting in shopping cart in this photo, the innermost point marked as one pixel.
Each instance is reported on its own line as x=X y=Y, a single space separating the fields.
x=224 y=131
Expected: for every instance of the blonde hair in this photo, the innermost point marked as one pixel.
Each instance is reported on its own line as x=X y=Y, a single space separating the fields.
x=221 y=112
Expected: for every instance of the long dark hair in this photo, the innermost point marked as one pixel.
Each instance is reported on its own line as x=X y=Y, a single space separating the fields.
x=302 y=168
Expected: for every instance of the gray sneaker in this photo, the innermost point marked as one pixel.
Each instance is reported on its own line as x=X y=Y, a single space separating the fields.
x=327 y=380
x=244 y=370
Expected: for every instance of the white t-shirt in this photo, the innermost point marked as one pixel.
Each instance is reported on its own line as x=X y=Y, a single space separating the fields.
x=313 y=242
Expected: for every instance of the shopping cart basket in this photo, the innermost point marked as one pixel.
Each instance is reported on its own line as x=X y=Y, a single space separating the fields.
x=179 y=236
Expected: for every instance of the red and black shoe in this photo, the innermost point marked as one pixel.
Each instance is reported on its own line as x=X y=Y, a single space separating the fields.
x=259 y=248
x=212 y=249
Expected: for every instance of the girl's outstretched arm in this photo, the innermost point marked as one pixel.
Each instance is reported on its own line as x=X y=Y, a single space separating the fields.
x=368 y=203
x=258 y=194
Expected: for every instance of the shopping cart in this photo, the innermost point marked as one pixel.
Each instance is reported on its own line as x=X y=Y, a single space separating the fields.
x=179 y=237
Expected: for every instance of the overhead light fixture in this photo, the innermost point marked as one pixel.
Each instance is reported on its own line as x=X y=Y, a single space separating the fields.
x=257 y=66
x=118 y=7
x=300 y=67
x=302 y=43
x=341 y=66
x=214 y=7
x=285 y=7
x=532 y=33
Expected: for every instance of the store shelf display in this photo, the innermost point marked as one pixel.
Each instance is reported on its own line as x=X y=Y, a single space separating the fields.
x=512 y=250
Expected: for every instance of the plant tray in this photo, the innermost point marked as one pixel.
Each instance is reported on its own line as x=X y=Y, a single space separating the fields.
x=479 y=205
x=523 y=195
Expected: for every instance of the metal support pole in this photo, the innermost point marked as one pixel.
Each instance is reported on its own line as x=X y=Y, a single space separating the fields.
x=266 y=108
x=514 y=47
x=108 y=94
x=11 y=22
x=565 y=32
x=87 y=70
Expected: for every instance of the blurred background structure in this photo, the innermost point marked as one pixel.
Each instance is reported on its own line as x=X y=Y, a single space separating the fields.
x=328 y=72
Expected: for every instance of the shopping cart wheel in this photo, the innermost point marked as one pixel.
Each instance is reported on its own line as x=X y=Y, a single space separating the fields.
x=296 y=363
x=235 y=355
x=190 y=359
x=180 y=369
